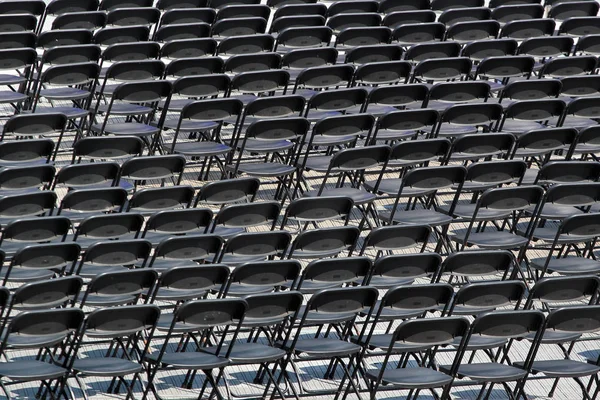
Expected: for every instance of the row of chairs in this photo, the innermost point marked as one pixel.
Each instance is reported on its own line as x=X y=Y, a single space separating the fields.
x=276 y=323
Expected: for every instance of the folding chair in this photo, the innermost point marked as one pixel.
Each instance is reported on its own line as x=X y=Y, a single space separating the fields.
x=351 y=165
x=247 y=44
x=446 y=94
x=228 y=191
x=133 y=16
x=587 y=142
x=18 y=23
x=567 y=172
x=306 y=211
x=574 y=66
x=32 y=126
x=278 y=142
x=54 y=293
x=168 y=34
x=324 y=242
x=125 y=354
x=190 y=283
x=67 y=37
x=420 y=335
x=116 y=4
x=41 y=261
x=387 y=239
x=186 y=320
x=122 y=226
x=193 y=15
x=465 y=32
x=252 y=62
x=79 y=204
x=280 y=24
x=16 y=60
x=389 y=6
x=443 y=5
x=579 y=86
x=390 y=271
x=185 y=251
x=35 y=8
x=48 y=330
x=194 y=67
x=18 y=40
x=231 y=27
x=139 y=102
x=312 y=79
x=175 y=4
x=569 y=320
x=335 y=347
x=576 y=233
x=503 y=209
x=394 y=19
x=499 y=371
x=330 y=103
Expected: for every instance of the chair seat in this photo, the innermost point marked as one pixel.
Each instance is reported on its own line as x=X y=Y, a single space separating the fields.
x=555 y=211
x=358 y=196
x=266 y=169
x=125 y=109
x=491 y=239
x=201 y=149
x=250 y=353
x=191 y=360
x=392 y=187
x=383 y=341
x=386 y=282
x=489 y=372
x=415 y=217
x=106 y=366
x=411 y=378
x=12 y=97
x=466 y=211
x=517 y=126
x=7 y=79
x=19 y=274
x=556 y=337
x=318 y=163
x=563 y=368
x=481 y=342
x=127 y=129
x=569 y=265
x=326 y=347
x=456 y=130
x=70 y=112
x=64 y=93
x=189 y=125
x=30 y=370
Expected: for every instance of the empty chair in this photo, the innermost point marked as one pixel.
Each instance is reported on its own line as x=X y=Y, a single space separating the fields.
x=366 y=55
x=589 y=44
x=531 y=89
x=162 y=168
x=190 y=283
x=579 y=86
x=116 y=4
x=22 y=153
x=500 y=70
x=305 y=21
x=108 y=227
x=441 y=69
x=587 y=142
x=177 y=32
x=28 y=231
x=465 y=119
x=32 y=126
x=546 y=47
x=91 y=20
x=218 y=4
x=261 y=277
x=228 y=191
x=56 y=293
x=526 y=115
x=252 y=62
x=478 y=263
x=119 y=288
x=386 y=239
x=16 y=83
x=452 y=16
x=26 y=179
x=27 y=205
x=48 y=330
x=233 y=219
x=254 y=246
x=446 y=94
x=384 y=98
x=318 y=78
x=188 y=16
x=136 y=16
x=442 y=5
x=405 y=124
x=381 y=73
x=188 y=48
x=123 y=34
x=389 y=6
x=363 y=36
x=402 y=269
x=396 y=18
x=306 y=211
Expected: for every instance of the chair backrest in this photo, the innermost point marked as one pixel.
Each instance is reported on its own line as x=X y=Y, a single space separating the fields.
x=118 y=252
x=106 y=147
x=403 y=267
x=396 y=237
x=334 y=272
x=109 y=226
x=36 y=230
x=192 y=248
x=188 y=282
x=266 y=275
x=94 y=200
x=564 y=290
x=195 y=67
x=478 y=263
x=511 y=198
x=51 y=293
x=316 y=209
x=228 y=191
x=483 y=296
x=126 y=286
x=578 y=319
x=124 y=321
x=248 y=215
x=57 y=256
x=568 y=172
x=508 y=324
x=177 y=222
